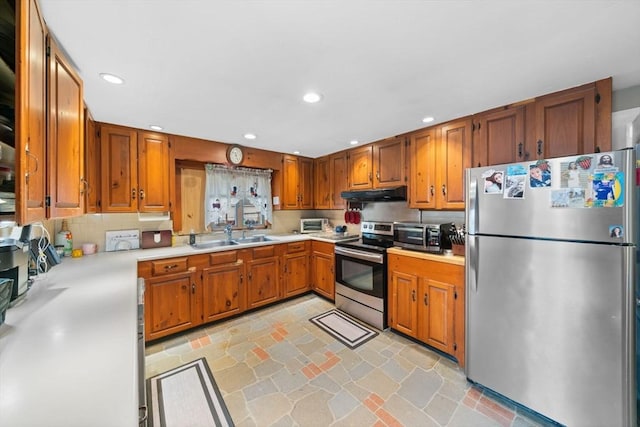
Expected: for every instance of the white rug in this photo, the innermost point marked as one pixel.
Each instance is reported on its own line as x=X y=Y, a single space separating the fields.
x=186 y=396
x=347 y=330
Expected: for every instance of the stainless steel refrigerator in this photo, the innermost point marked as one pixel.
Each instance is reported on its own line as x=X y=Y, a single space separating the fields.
x=551 y=285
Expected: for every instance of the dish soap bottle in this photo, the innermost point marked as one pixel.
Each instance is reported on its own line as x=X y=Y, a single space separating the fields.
x=65 y=239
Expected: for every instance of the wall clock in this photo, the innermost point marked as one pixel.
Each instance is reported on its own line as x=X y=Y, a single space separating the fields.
x=235 y=155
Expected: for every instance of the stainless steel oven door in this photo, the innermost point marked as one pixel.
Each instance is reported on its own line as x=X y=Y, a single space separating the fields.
x=361 y=271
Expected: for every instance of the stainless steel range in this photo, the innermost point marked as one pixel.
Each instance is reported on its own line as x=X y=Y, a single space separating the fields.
x=361 y=273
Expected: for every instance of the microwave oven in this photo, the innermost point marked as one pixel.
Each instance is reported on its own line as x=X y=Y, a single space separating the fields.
x=420 y=237
x=313 y=225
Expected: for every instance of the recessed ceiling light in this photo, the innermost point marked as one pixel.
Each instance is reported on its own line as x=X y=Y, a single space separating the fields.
x=428 y=119
x=312 y=97
x=250 y=136
x=156 y=127
x=353 y=142
x=296 y=152
x=112 y=78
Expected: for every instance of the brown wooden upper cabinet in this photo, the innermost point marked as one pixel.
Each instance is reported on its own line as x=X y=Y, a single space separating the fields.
x=439 y=156
x=31 y=110
x=65 y=148
x=330 y=180
x=297 y=177
x=378 y=165
x=574 y=121
x=570 y=122
x=499 y=136
x=91 y=163
x=135 y=170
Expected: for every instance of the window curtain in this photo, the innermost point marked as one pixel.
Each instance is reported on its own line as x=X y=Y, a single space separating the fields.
x=226 y=187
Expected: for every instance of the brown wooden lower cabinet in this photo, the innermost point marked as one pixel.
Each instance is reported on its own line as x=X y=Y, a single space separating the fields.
x=223 y=290
x=426 y=302
x=171 y=303
x=295 y=268
x=323 y=279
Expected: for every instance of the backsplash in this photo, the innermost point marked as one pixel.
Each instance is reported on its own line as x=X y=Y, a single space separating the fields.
x=91 y=228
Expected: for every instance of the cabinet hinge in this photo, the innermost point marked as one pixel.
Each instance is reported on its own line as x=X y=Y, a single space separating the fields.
x=47 y=201
x=98 y=133
x=99 y=204
x=48 y=50
x=201 y=276
x=473 y=127
x=597 y=98
x=455 y=294
x=455 y=346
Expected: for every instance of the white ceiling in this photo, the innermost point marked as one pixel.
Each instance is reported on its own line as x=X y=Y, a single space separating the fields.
x=217 y=69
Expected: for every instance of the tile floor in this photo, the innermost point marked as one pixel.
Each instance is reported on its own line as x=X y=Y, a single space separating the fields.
x=275 y=368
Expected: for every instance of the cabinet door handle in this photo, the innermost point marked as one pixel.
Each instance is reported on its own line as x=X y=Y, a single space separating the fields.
x=141 y=194
x=520 y=150
x=413 y=295
x=133 y=194
x=370 y=177
x=170 y=267
x=84 y=188
x=539 y=147
x=28 y=173
x=432 y=190
x=444 y=190
x=193 y=288
x=241 y=278
x=426 y=299
x=378 y=175
x=249 y=275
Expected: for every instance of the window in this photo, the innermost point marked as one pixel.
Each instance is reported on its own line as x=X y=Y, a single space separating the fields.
x=237 y=196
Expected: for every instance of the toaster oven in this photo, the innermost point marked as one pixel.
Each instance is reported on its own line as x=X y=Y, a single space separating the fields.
x=313 y=225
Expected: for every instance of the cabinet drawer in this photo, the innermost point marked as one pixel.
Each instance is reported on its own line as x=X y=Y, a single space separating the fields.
x=226 y=257
x=166 y=266
x=297 y=247
x=264 y=252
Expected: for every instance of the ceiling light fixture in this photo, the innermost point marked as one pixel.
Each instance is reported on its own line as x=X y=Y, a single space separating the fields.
x=353 y=142
x=428 y=119
x=156 y=127
x=250 y=136
x=112 y=78
x=312 y=97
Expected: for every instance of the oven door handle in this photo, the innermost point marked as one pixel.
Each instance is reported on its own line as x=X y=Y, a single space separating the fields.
x=365 y=256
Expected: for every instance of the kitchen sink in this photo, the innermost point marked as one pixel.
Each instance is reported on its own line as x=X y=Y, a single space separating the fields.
x=253 y=239
x=214 y=244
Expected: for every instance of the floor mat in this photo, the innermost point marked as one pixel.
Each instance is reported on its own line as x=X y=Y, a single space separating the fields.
x=346 y=330
x=186 y=396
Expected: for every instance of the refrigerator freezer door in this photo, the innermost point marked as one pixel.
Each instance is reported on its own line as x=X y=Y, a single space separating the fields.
x=537 y=214
x=548 y=326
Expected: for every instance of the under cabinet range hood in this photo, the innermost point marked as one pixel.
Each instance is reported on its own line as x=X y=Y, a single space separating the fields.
x=381 y=195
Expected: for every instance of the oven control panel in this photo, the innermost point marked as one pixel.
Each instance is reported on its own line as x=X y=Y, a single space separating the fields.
x=373 y=227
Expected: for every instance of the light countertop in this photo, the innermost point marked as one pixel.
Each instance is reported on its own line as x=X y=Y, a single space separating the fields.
x=68 y=349
x=449 y=259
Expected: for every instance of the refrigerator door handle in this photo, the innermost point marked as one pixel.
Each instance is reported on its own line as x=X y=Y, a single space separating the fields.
x=471 y=212
x=471 y=249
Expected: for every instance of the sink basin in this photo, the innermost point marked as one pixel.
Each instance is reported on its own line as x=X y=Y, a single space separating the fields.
x=253 y=239
x=214 y=244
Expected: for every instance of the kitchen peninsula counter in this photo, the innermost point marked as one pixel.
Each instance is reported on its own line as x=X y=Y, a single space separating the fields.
x=68 y=350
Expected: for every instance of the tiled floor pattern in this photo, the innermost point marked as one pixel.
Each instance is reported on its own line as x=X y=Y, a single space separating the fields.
x=275 y=368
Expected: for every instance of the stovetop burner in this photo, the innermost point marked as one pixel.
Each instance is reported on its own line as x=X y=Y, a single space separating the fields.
x=376 y=237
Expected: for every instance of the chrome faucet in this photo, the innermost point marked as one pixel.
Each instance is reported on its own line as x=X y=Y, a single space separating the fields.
x=228 y=229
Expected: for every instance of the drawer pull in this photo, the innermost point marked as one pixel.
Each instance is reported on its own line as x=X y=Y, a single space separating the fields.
x=170 y=267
